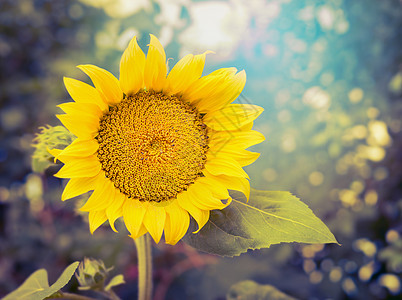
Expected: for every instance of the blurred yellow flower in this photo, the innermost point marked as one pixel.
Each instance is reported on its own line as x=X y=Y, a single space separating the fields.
x=156 y=148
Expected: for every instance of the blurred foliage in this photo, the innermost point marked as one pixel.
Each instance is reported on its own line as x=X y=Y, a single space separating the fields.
x=250 y=290
x=49 y=138
x=392 y=256
x=328 y=74
x=36 y=286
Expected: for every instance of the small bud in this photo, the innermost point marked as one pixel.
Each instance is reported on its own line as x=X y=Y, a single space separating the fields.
x=91 y=274
x=49 y=138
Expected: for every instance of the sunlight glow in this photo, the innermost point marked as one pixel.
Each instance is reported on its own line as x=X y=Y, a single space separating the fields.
x=217 y=26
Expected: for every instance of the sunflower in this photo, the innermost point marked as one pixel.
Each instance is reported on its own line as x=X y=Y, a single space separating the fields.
x=156 y=148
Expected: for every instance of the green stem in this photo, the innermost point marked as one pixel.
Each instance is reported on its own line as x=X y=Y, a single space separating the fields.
x=144 y=255
x=71 y=296
x=112 y=295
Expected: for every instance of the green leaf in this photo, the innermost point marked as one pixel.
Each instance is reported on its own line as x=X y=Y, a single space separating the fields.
x=268 y=218
x=35 y=283
x=117 y=280
x=61 y=281
x=251 y=290
x=36 y=286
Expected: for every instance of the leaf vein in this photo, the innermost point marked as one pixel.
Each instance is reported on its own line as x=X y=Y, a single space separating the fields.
x=283 y=218
x=244 y=218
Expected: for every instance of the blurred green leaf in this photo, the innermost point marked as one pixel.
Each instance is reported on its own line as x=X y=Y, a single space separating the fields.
x=39 y=165
x=36 y=286
x=395 y=85
x=117 y=280
x=268 y=218
x=392 y=256
x=250 y=290
x=49 y=137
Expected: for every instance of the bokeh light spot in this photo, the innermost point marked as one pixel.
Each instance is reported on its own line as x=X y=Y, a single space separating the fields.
x=288 y=143
x=371 y=152
x=348 y=197
x=349 y=286
x=373 y=112
x=309 y=265
x=356 y=95
x=366 y=246
x=395 y=85
x=359 y=132
x=392 y=236
x=371 y=197
x=11 y=118
x=378 y=134
x=380 y=173
x=336 y=274
x=327 y=78
x=316 y=178
x=326 y=17
x=357 y=186
x=391 y=282
x=316 y=277
x=75 y=11
x=4 y=194
x=366 y=271
x=317 y=98
x=269 y=175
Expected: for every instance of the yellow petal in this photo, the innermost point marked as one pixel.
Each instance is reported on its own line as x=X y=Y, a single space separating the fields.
x=185 y=72
x=214 y=91
x=55 y=153
x=154 y=221
x=215 y=186
x=155 y=66
x=84 y=109
x=246 y=127
x=202 y=197
x=132 y=66
x=102 y=196
x=177 y=222
x=221 y=140
x=225 y=166
x=84 y=93
x=224 y=71
x=80 y=148
x=226 y=93
x=78 y=186
x=232 y=183
x=140 y=232
x=107 y=85
x=115 y=209
x=199 y=215
x=243 y=157
x=232 y=116
x=207 y=85
x=133 y=214
x=96 y=219
x=85 y=128
x=80 y=167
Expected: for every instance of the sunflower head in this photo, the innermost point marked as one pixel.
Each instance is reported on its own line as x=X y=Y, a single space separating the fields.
x=157 y=148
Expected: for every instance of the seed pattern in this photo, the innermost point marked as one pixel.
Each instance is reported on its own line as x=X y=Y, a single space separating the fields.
x=152 y=146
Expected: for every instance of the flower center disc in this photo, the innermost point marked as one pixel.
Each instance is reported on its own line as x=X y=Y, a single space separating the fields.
x=152 y=146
